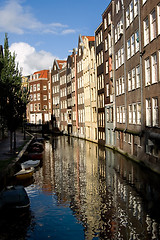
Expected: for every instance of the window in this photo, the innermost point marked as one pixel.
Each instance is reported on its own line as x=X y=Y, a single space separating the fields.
x=116 y=34
x=135 y=8
x=117 y=87
x=127 y=18
x=129 y=81
x=158 y=18
x=131 y=11
x=31 y=107
x=130 y=113
x=133 y=79
x=144 y=1
x=138 y=113
x=132 y=45
x=155 y=111
x=148 y=112
x=137 y=41
x=106 y=67
x=119 y=57
x=44 y=87
x=105 y=23
x=34 y=87
x=44 y=97
x=123 y=89
x=154 y=67
x=109 y=18
x=146 y=31
x=122 y=55
x=147 y=72
x=107 y=90
x=138 y=77
x=123 y=112
x=116 y=60
x=120 y=86
x=134 y=114
x=118 y=114
x=38 y=86
x=106 y=44
x=153 y=25
x=128 y=48
x=38 y=96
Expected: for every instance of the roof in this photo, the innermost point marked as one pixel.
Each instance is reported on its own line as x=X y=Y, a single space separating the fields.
x=90 y=38
x=61 y=63
x=43 y=73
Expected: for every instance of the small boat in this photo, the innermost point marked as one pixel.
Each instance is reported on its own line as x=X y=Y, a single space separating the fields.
x=30 y=163
x=36 y=147
x=35 y=155
x=14 y=197
x=25 y=173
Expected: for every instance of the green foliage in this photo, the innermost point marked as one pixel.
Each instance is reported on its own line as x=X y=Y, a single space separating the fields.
x=13 y=98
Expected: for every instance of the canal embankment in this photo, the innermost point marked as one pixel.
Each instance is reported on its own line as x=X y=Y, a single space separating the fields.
x=9 y=161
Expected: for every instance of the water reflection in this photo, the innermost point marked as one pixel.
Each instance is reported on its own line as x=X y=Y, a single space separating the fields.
x=83 y=191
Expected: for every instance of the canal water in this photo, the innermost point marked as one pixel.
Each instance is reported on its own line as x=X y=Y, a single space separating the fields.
x=83 y=191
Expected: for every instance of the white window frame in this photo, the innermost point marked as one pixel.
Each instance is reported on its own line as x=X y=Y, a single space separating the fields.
x=138 y=84
x=128 y=48
x=153 y=25
x=154 y=67
x=148 y=112
x=137 y=41
x=147 y=72
x=132 y=45
x=155 y=112
x=146 y=31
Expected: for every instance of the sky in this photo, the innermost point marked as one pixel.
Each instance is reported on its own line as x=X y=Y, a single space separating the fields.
x=40 y=31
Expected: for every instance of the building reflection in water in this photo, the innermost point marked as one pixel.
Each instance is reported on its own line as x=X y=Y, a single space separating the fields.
x=111 y=196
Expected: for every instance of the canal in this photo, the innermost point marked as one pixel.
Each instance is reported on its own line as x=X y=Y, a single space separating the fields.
x=83 y=191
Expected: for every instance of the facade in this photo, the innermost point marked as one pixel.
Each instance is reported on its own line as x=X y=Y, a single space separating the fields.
x=109 y=88
x=90 y=88
x=69 y=94
x=80 y=89
x=150 y=58
x=100 y=84
x=127 y=78
x=57 y=66
x=38 y=106
x=63 y=99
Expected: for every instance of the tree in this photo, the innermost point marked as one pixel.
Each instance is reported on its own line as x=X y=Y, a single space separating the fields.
x=15 y=100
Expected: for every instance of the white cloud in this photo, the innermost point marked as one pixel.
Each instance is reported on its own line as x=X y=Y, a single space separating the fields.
x=29 y=59
x=19 y=19
x=68 y=31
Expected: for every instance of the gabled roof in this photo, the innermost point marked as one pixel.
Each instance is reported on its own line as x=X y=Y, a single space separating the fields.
x=61 y=63
x=90 y=38
x=43 y=73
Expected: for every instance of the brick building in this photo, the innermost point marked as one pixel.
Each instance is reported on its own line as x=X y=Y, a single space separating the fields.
x=38 y=106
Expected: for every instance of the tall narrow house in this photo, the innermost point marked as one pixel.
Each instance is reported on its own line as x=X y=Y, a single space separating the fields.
x=57 y=66
x=69 y=94
x=63 y=99
x=90 y=88
x=38 y=105
x=150 y=58
x=109 y=88
x=100 y=84
x=80 y=89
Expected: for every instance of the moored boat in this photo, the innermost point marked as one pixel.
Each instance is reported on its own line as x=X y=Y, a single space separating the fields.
x=36 y=147
x=14 y=197
x=30 y=163
x=25 y=173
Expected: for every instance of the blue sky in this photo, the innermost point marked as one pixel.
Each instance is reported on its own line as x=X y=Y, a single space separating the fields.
x=41 y=30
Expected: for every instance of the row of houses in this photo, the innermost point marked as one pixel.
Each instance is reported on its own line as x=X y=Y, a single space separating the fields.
x=107 y=91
